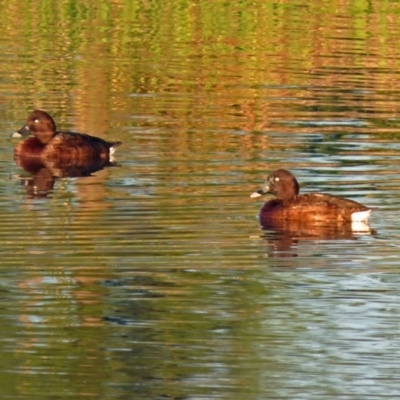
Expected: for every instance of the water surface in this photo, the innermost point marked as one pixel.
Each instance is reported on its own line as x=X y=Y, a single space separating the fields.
x=152 y=279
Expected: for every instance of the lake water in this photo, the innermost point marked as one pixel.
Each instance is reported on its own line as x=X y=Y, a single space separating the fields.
x=152 y=279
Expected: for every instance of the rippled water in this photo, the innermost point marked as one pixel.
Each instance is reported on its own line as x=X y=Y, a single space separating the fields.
x=152 y=279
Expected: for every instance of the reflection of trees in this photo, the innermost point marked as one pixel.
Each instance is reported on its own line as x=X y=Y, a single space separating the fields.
x=239 y=57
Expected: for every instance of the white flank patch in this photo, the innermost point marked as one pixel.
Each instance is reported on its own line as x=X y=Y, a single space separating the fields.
x=112 y=151
x=360 y=216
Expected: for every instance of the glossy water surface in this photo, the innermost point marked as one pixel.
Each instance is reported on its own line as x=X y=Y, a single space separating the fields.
x=152 y=279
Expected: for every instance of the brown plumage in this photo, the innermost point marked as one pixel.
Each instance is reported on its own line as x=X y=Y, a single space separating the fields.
x=66 y=147
x=310 y=208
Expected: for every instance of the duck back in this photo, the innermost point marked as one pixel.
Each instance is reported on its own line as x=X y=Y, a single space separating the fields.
x=78 y=146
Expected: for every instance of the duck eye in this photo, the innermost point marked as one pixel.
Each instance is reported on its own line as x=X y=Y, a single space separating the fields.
x=276 y=179
x=36 y=121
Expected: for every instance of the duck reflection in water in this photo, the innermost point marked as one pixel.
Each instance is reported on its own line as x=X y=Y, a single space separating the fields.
x=309 y=216
x=285 y=236
x=45 y=172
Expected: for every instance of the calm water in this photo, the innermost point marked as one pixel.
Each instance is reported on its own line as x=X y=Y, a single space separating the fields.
x=152 y=279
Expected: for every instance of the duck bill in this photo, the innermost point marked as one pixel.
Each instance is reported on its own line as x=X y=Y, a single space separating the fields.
x=24 y=131
x=264 y=189
x=258 y=193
